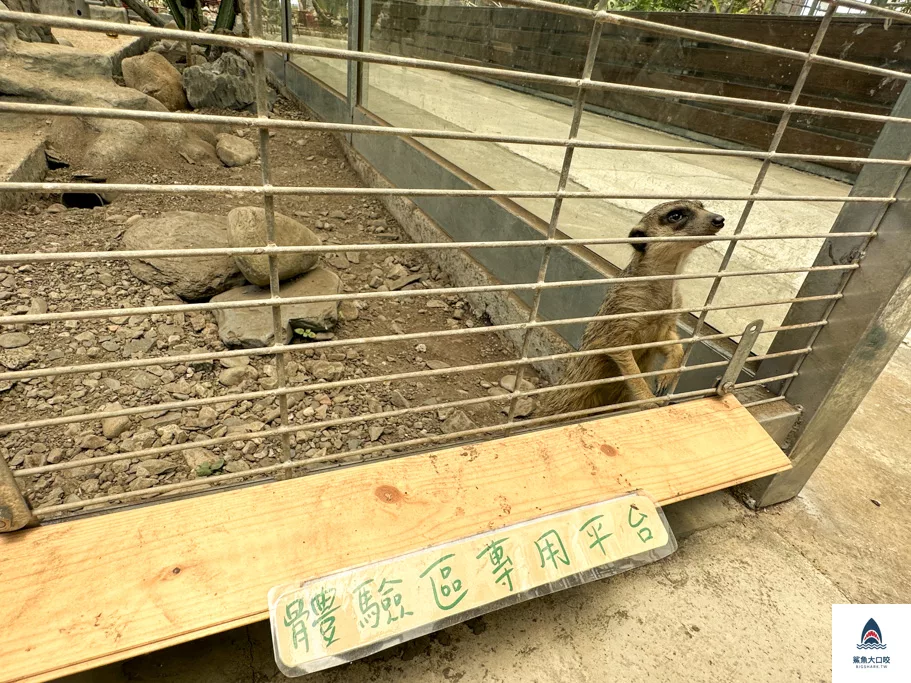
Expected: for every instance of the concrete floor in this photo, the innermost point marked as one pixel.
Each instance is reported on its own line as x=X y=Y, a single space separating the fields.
x=430 y=99
x=747 y=597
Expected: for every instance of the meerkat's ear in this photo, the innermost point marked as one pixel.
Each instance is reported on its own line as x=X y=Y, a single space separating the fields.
x=638 y=246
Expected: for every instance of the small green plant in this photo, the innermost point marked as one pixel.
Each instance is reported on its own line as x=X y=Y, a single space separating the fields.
x=207 y=469
x=305 y=332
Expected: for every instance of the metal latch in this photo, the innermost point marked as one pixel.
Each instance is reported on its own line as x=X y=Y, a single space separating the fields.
x=739 y=358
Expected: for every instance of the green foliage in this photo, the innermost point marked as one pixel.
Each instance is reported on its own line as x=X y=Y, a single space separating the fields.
x=178 y=11
x=227 y=14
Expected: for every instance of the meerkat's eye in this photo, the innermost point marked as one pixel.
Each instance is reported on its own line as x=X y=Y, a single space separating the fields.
x=675 y=216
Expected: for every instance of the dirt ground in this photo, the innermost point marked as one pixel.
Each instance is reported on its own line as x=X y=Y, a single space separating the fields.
x=298 y=158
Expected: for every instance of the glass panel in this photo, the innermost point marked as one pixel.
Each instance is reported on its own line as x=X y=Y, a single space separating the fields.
x=272 y=19
x=484 y=35
x=321 y=23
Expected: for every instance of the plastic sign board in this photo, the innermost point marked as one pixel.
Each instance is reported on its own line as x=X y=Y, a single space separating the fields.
x=336 y=619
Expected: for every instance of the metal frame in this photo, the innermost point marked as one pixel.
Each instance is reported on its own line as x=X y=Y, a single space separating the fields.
x=790 y=363
x=863 y=331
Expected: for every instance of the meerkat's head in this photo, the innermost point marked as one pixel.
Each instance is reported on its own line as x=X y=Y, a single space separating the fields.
x=682 y=217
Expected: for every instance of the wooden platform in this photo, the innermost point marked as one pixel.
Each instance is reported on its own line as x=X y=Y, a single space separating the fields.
x=79 y=594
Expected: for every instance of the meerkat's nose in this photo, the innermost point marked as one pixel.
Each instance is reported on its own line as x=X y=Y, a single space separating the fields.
x=718 y=221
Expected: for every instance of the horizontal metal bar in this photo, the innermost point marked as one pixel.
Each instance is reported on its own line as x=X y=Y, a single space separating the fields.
x=398 y=294
x=347 y=456
x=327 y=424
x=376 y=58
x=349 y=128
x=279 y=190
x=337 y=422
x=327 y=386
x=19 y=375
x=762 y=402
x=37 y=257
x=623 y=19
x=870 y=8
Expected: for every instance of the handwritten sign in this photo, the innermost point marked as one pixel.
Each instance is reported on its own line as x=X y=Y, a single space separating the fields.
x=335 y=619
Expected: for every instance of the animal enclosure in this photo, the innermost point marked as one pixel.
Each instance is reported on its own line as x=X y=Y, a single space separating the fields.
x=439 y=203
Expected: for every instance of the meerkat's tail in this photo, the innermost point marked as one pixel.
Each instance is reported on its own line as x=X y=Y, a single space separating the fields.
x=581 y=398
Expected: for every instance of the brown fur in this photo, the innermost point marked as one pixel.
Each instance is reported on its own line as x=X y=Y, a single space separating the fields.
x=656 y=258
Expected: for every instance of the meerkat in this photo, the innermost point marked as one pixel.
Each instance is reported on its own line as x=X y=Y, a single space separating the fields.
x=649 y=258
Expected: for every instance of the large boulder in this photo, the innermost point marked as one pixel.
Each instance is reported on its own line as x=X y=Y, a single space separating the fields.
x=247 y=228
x=226 y=83
x=119 y=141
x=250 y=328
x=153 y=75
x=234 y=151
x=193 y=278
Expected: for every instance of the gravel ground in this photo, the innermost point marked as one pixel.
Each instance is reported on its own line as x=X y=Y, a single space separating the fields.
x=298 y=158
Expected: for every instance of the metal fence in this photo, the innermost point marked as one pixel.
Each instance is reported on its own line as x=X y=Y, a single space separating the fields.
x=825 y=338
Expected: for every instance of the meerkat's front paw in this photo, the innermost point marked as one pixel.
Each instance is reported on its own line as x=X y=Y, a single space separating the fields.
x=665 y=382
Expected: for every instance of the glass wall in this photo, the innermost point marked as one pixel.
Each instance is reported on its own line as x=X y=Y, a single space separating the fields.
x=321 y=23
x=524 y=40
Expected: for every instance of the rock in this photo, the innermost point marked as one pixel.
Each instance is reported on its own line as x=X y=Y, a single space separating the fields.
x=56 y=208
x=234 y=361
x=197 y=457
x=141 y=379
x=13 y=340
x=398 y=400
x=235 y=151
x=194 y=278
x=37 y=306
x=508 y=382
x=250 y=328
x=207 y=417
x=330 y=371
x=92 y=442
x=437 y=364
x=457 y=422
x=16 y=359
x=119 y=141
x=226 y=83
x=347 y=310
x=376 y=432
x=154 y=75
x=233 y=376
x=339 y=261
x=403 y=281
x=247 y=228
x=140 y=483
x=112 y=427
x=237 y=466
x=524 y=407
x=197 y=151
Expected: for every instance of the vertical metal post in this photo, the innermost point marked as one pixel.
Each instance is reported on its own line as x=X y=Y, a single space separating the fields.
x=864 y=327
x=578 y=110
x=365 y=20
x=287 y=33
x=262 y=112
x=760 y=178
x=354 y=32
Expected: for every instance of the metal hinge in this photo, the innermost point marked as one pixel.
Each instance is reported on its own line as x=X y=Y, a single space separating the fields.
x=739 y=358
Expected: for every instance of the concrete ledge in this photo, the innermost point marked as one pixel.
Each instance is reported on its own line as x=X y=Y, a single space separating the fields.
x=21 y=160
x=137 y=46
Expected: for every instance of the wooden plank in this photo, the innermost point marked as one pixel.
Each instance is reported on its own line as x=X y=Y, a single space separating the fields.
x=79 y=594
